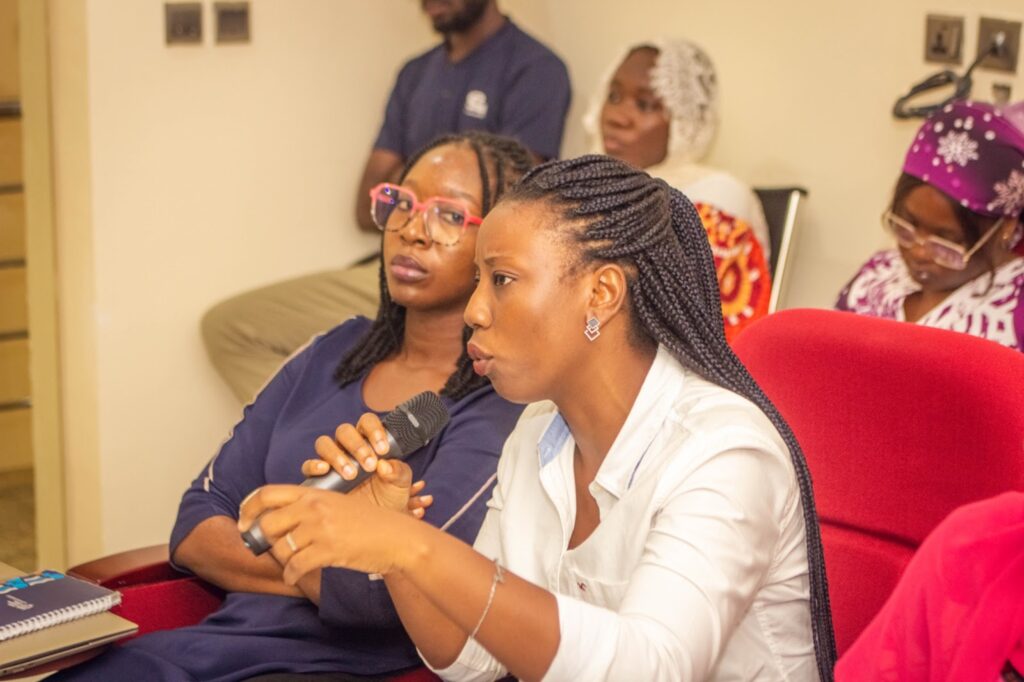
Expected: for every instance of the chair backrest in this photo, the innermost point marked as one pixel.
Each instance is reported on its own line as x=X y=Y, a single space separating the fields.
x=780 y=205
x=900 y=424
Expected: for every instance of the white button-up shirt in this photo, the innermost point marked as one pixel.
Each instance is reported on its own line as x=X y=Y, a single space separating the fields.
x=698 y=567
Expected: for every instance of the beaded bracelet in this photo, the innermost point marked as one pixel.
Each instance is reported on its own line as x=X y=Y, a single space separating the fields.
x=499 y=577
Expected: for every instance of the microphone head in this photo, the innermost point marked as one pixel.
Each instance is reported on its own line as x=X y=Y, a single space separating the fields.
x=413 y=423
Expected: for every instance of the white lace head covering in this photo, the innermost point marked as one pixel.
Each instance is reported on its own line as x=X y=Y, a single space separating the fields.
x=684 y=78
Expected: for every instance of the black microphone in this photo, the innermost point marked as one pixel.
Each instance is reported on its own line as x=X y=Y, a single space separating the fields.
x=408 y=427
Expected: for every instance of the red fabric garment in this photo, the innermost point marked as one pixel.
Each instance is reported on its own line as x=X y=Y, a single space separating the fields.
x=958 y=610
x=744 y=281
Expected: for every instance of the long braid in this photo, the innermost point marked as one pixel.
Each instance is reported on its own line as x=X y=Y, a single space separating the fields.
x=507 y=161
x=625 y=216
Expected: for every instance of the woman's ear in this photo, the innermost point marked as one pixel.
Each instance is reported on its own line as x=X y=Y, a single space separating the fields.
x=608 y=291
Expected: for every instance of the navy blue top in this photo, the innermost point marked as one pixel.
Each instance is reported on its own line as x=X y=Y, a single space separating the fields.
x=511 y=84
x=356 y=628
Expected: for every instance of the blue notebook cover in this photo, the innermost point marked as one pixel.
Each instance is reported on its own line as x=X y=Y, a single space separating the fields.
x=40 y=600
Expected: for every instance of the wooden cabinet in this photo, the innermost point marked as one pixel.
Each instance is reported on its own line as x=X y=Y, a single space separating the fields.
x=12 y=226
x=15 y=390
x=10 y=151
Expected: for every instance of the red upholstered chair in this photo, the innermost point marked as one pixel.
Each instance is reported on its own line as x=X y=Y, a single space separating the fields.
x=158 y=597
x=900 y=424
x=153 y=594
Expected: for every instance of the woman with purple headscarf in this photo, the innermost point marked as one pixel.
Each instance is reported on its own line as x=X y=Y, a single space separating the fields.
x=956 y=216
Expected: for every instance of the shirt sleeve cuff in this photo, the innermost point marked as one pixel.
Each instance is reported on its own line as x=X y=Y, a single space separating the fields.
x=474 y=664
x=581 y=627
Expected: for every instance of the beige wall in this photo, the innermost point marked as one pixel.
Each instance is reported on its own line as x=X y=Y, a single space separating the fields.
x=187 y=174
x=72 y=186
x=40 y=247
x=184 y=175
x=215 y=169
x=807 y=87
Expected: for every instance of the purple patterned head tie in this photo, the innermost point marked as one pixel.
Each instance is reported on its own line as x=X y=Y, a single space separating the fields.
x=973 y=152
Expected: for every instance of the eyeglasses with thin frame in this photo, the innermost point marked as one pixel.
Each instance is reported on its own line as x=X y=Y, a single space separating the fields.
x=944 y=252
x=444 y=218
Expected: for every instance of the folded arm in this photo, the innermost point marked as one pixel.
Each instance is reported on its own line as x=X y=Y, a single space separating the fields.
x=205 y=538
x=215 y=553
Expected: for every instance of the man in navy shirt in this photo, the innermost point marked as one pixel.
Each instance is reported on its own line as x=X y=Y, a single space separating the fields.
x=486 y=74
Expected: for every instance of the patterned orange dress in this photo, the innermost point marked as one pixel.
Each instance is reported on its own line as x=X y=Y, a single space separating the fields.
x=744 y=281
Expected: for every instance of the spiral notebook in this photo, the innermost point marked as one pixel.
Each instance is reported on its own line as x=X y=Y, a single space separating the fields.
x=61 y=623
x=41 y=600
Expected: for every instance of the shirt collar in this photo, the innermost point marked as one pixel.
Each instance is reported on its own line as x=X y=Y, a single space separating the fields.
x=656 y=399
x=552 y=440
x=488 y=43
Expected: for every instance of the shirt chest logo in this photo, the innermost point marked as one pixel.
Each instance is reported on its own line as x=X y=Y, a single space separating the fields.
x=476 y=104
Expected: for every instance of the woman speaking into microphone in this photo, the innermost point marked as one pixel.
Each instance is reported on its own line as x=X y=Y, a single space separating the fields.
x=653 y=517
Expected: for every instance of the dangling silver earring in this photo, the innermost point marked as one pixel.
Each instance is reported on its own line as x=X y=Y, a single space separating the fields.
x=593 y=328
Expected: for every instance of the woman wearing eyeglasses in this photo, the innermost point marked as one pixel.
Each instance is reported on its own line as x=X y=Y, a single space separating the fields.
x=338 y=623
x=956 y=218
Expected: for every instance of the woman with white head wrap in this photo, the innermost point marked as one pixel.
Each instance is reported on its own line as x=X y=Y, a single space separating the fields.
x=657 y=109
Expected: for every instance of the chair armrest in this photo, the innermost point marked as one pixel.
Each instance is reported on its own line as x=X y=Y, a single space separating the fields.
x=136 y=566
x=154 y=594
x=157 y=597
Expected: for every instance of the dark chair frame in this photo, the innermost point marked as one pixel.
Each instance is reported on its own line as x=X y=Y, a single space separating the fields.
x=780 y=209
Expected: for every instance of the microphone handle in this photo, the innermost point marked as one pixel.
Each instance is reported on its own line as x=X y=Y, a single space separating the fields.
x=257 y=542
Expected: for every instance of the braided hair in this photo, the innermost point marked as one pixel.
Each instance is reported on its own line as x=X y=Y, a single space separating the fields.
x=501 y=162
x=625 y=216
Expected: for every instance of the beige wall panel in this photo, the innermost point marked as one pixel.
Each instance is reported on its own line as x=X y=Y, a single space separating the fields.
x=75 y=455
x=12 y=226
x=184 y=175
x=14 y=384
x=10 y=151
x=15 y=440
x=9 y=49
x=35 y=28
x=13 y=308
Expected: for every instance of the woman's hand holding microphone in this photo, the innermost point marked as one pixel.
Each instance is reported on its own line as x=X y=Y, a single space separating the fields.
x=310 y=528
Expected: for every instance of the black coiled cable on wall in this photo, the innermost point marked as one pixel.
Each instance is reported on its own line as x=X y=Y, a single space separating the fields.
x=961 y=85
